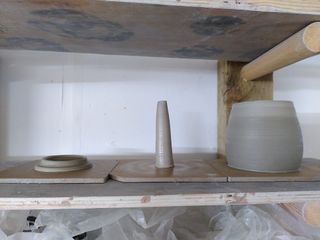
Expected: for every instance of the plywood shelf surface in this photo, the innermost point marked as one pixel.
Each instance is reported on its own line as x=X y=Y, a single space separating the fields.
x=115 y=194
x=234 y=30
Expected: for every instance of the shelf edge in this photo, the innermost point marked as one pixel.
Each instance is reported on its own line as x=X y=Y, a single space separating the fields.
x=297 y=6
x=156 y=200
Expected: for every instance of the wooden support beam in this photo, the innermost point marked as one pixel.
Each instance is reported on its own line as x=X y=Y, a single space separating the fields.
x=304 y=44
x=232 y=89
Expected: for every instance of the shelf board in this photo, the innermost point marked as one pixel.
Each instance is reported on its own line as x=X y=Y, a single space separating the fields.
x=115 y=194
x=296 y=6
x=234 y=30
x=124 y=195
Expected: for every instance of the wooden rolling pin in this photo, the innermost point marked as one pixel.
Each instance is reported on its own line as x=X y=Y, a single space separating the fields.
x=309 y=212
x=299 y=46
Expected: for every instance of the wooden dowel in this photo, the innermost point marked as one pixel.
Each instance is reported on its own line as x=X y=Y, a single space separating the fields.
x=308 y=212
x=299 y=46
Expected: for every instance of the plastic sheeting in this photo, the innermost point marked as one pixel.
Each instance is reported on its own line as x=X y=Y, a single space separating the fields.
x=194 y=223
x=249 y=223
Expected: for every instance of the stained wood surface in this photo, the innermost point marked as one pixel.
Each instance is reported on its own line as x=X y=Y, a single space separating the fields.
x=192 y=170
x=308 y=172
x=25 y=173
x=162 y=29
x=232 y=89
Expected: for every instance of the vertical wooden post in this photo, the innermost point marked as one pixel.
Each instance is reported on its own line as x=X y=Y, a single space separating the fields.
x=232 y=89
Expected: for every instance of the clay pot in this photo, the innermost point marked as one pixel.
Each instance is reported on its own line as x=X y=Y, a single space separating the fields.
x=264 y=136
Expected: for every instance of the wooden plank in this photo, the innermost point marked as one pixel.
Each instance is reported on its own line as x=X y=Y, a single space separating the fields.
x=308 y=212
x=231 y=89
x=25 y=173
x=191 y=170
x=292 y=6
x=308 y=172
x=123 y=28
x=115 y=194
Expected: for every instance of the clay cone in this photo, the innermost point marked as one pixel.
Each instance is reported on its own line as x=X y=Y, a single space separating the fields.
x=164 y=157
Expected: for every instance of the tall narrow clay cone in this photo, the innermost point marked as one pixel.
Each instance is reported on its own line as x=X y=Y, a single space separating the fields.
x=164 y=157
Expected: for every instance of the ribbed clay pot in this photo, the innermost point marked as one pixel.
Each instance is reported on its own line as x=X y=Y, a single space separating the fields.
x=264 y=136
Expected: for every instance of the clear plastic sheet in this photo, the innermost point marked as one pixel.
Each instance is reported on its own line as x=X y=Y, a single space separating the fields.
x=12 y=221
x=291 y=223
x=76 y=222
x=249 y=223
x=194 y=223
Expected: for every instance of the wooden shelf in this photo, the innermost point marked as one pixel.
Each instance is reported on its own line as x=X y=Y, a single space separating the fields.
x=234 y=30
x=115 y=194
x=123 y=195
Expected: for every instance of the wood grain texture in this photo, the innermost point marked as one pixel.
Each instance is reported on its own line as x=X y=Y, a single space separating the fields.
x=108 y=27
x=25 y=173
x=192 y=170
x=308 y=172
x=232 y=89
x=293 y=6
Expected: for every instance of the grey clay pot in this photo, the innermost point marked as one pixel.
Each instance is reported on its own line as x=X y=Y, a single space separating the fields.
x=264 y=136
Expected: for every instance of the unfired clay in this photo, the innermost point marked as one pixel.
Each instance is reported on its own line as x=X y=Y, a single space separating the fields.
x=264 y=136
x=62 y=163
x=164 y=157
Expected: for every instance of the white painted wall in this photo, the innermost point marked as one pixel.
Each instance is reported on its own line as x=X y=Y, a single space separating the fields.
x=55 y=103
x=300 y=83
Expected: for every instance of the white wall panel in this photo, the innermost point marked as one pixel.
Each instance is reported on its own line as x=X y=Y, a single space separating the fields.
x=55 y=103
